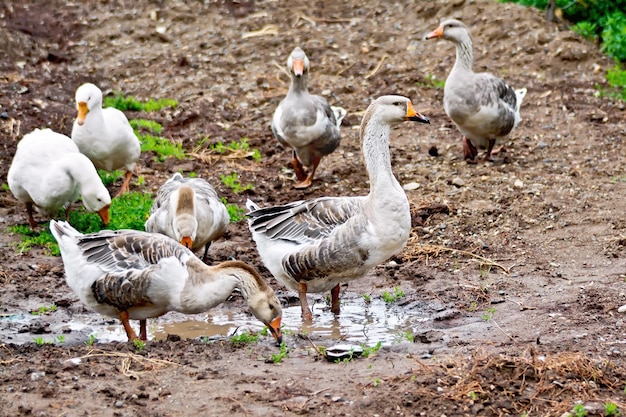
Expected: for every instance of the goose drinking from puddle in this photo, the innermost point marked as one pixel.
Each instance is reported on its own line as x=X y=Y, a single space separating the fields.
x=190 y=211
x=304 y=122
x=136 y=275
x=105 y=135
x=48 y=172
x=314 y=245
x=484 y=107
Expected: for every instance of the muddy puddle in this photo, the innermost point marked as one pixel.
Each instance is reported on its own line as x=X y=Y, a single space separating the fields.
x=360 y=322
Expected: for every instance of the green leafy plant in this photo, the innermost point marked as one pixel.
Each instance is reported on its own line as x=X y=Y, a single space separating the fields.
x=610 y=409
x=5 y=187
x=162 y=147
x=489 y=312
x=579 y=410
x=29 y=240
x=43 y=310
x=235 y=212
x=39 y=341
x=60 y=339
x=240 y=149
x=91 y=340
x=139 y=344
x=109 y=177
x=376 y=382
x=243 y=339
x=130 y=103
x=367 y=298
x=150 y=125
x=587 y=30
x=367 y=351
x=282 y=354
x=392 y=297
x=616 y=78
x=232 y=182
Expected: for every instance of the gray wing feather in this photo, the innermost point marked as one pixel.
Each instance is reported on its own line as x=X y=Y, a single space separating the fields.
x=123 y=291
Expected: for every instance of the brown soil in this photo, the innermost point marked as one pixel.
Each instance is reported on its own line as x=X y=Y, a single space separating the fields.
x=521 y=275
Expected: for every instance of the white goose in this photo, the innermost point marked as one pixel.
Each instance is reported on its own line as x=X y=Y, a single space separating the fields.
x=306 y=123
x=484 y=107
x=313 y=246
x=188 y=210
x=48 y=172
x=105 y=135
x=137 y=275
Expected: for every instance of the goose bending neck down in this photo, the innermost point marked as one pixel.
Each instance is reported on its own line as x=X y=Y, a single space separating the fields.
x=314 y=245
x=137 y=275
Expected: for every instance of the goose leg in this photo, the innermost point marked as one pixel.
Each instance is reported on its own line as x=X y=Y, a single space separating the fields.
x=206 y=249
x=298 y=168
x=469 y=151
x=124 y=316
x=334 y=299
x=126 y=184
x=306 y=311
x=309 y=179
x=143 y=332
x=31 y=219
x=492 y=143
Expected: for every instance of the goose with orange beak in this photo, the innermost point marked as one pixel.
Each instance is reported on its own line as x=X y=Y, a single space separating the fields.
x=189 y=211
x=305 y=123
x=105 y=135
x=133 y=275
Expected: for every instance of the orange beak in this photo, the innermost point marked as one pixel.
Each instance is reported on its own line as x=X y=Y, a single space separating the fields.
x=298 y=67
x=82 y=113
x=437 y=33
x=274 y=327
x=414 y=116
x=104 y=214
x=186 y=242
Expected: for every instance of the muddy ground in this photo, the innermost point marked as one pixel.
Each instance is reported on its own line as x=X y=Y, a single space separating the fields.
x=520 y=278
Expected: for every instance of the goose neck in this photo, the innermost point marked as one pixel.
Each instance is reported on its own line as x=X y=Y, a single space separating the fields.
x=464 y=54
x=375 y=149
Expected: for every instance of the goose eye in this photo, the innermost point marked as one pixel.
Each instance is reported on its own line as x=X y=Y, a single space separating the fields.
x=271 y=307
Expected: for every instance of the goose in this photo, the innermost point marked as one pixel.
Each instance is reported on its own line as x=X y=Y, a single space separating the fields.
x=188 y=210
x=137 y=275
x=48 y=172
x=484 y=107
x=105 y=135
x=304 y=122
x=314 y=245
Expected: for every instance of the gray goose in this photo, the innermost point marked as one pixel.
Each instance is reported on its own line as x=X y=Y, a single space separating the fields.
x=314 y=245
x=136 y=275
x=304 y=122
x=484 y=107
x=190 y=211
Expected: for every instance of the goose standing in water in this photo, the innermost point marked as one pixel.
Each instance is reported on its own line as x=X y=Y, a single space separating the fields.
x=484 y=107
x=136 y=275
x=105 y=135
x=188 y=210
x=306 y=123
x=314 y=245
x=48 y=172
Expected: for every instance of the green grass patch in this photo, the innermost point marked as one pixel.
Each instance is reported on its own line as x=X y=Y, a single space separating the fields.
x=161 y=146
x=128 y=211
x=244 y=339
x=240 y=147
x=109 y=177
x=235 y=212
x=145 y=124
x=232 y=182
x=130 y=103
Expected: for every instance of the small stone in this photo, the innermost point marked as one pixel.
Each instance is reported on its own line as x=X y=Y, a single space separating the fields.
x=35 y=376
x=4 y=115
x=458 y=182
x=119 y=404
x=433 y=151
x=622 y=309
x=518 y=184
x=410 y=186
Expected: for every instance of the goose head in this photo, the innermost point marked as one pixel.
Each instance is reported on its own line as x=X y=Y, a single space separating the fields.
x=393 y=110
x=185 y=228
x=262 y=301
x=298 y=63
x=452 y=30
x=88 y=97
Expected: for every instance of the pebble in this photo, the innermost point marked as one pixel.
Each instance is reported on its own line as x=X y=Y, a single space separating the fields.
x=35 y=376
x=518 y=184
x=411 y=186
x=622 y=309
x=458 y=182
x=119 y=404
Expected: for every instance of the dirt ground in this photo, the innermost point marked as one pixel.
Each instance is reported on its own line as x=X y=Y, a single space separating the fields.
x=521 y=276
